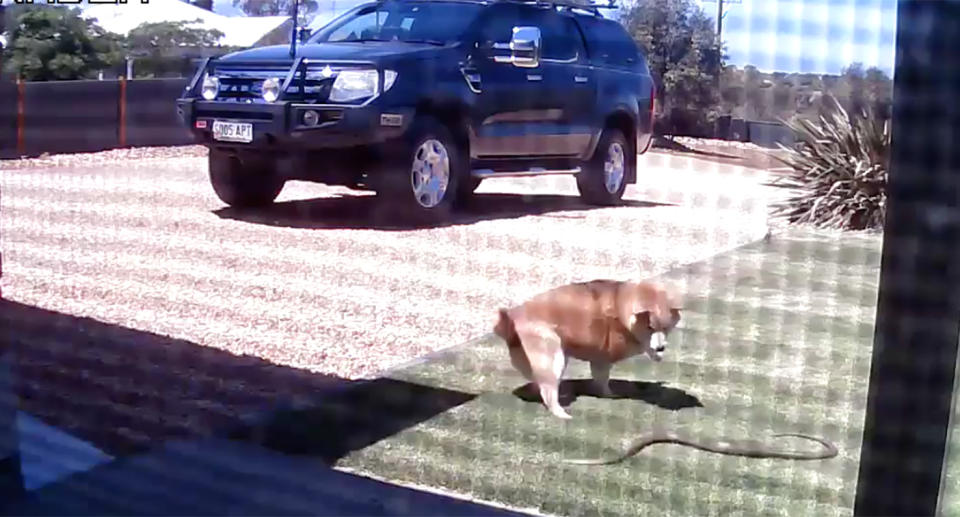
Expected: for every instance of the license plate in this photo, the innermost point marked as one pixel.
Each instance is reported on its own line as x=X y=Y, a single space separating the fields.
x=232 y=131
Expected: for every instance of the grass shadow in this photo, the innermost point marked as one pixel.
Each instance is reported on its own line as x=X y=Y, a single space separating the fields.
x=653 y=393
x=356 y=212
x=352 y=420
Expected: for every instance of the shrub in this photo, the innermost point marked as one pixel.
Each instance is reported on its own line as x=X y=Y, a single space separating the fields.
x=837 y=170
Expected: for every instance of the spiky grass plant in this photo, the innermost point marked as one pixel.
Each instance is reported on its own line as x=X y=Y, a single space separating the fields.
x=837 y=170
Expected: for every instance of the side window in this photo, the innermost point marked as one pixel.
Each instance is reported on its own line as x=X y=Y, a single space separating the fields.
x=624 y=49
x=561 y=37
x=610 y=45
x=363 y=26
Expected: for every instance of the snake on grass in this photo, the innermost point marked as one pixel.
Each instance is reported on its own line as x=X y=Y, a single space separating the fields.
x=750 y=448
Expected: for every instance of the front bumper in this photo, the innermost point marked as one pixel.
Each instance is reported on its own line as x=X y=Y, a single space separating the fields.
x=278 y=126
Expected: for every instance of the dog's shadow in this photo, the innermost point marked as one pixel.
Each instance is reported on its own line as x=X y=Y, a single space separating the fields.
x=653 y=393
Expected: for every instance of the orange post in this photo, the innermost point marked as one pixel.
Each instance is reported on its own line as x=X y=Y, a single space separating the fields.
x=122 y=130
x=21 y=95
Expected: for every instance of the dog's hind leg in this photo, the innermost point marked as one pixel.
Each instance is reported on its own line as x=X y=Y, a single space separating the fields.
x=547 y=362
x=600 y=371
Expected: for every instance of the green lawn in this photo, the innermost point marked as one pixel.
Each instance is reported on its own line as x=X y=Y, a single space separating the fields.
x=779 y=341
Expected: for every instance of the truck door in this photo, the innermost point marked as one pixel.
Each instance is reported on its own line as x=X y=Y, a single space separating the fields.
x=515 y=110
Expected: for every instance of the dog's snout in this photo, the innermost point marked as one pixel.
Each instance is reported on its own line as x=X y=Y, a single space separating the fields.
x=658 y=342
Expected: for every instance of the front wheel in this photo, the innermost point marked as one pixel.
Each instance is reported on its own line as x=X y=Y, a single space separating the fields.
x=602 y=180
x=243 y=182
x=421 y=182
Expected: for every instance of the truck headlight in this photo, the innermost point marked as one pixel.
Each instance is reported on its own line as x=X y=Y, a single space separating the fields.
x=270 y=91
x=210 y=87
x=353 y=85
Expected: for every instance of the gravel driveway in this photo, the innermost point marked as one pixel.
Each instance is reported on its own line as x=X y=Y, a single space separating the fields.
x=143 y=243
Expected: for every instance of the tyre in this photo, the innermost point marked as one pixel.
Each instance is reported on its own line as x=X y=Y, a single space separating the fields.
x=468 y=188
x=470 y=185
x=421 y=181
x=243 y=182
x=602 y=179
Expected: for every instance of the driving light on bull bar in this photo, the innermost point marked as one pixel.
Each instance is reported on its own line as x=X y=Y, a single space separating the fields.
x=210 y=87
x=270 y=90
x=311 y=118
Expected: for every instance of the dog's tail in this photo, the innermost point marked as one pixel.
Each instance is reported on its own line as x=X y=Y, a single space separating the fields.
x=505 y=329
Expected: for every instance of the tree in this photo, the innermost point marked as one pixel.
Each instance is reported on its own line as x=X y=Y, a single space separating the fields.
x=731 y=91
x=756 y=107
x=685 y=58
x=879 y=88
x=274 y=7
x=853 y=78
x=159 y=47
x=56 y=43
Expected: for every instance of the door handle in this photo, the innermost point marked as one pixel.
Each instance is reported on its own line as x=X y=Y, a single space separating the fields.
x=580 y=79
x=534 y=77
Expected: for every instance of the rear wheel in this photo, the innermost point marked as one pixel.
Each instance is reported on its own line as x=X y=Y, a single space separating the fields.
x=243 y=182
x=422 y=181
x=602 y=180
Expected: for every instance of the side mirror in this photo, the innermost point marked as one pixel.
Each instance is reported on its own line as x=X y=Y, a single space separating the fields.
x=303 y=33
x=524 y=48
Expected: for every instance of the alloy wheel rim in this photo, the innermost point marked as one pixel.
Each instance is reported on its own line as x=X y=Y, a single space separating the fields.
x=613 y=168
x=430 y=173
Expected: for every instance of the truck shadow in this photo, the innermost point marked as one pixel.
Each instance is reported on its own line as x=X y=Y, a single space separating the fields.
x=361 y=212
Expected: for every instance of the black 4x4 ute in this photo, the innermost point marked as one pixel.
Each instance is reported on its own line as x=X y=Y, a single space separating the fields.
x=420 y=100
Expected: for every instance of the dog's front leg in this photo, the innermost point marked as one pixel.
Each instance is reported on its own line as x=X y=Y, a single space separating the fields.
x=600 y=371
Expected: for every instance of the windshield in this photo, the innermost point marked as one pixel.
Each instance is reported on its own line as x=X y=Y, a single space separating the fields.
x=415 y=22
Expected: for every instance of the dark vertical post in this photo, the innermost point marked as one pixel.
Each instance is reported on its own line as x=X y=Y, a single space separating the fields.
x=720 y=20
x=719 y=85
x=11 y=476
x=910 y=399
x=21 y=102
x=122 y=115
x=293 y=37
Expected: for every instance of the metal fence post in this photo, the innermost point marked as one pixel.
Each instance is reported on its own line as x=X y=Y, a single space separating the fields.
x=122 y=108
x=910 y=399
x=21 y=104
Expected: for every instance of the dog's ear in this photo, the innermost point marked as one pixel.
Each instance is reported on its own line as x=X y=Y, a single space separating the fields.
x=642 y=319
x=501 y=328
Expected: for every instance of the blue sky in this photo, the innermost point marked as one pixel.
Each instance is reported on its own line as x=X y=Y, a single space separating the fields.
x=809 y=36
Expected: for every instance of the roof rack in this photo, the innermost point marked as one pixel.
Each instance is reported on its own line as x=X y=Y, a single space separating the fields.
x=570 y=5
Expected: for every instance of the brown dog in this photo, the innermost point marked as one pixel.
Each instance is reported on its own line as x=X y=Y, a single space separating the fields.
x=601 y=321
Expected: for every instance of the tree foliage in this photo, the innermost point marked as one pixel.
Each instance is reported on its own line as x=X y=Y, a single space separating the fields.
x=274 y=7
x=685 y=57
x=750 y=94
x=157 y=45
x=55 y=44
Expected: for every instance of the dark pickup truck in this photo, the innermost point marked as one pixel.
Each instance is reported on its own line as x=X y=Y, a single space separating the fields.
x=421 y=100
